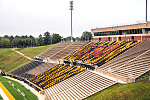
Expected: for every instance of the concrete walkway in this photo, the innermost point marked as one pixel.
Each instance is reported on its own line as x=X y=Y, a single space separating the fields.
x=40 y=96
x=22 y=54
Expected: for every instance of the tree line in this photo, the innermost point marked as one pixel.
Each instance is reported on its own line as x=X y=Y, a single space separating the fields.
x=45 y=39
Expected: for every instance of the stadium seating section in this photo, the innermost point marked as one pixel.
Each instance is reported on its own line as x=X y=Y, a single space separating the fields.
x=98 y=53
x=40 y=68
x=55 y=75
x=78 y=87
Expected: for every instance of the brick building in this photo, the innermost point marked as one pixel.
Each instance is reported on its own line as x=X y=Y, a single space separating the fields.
x=123 y=33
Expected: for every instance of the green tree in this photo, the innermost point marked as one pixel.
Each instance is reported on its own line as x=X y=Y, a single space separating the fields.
x=40 y=40
x=15 y=42
x=68 y=39
x=4 y=42
x=28 y=41
x=86 y=36
x=56 y=38
x=47 y=38
x=33 y=42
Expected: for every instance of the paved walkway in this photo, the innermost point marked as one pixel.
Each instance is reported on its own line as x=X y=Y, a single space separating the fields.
x=40 y=96
x=22 y=54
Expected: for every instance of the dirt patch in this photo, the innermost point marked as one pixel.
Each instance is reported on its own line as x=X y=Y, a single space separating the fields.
x=6 y=60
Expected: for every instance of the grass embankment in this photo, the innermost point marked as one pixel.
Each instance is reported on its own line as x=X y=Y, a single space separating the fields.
x=34 y=51
x=135 y=91
x=10 y=60
x=15 y=93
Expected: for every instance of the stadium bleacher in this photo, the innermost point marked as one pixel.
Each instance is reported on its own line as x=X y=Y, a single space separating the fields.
x=26 y=68
x=127 y=56
x=40 y=68
x=61 y=50
x=55 y=75
x=98 y=53
x=135 y=68
x=78 y=87
x=129 y=65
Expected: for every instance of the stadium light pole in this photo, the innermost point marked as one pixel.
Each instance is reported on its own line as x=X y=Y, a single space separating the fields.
x=146 y=12
x=71 y=8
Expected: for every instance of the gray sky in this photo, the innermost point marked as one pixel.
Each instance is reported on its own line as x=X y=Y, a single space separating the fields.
x=25 y=17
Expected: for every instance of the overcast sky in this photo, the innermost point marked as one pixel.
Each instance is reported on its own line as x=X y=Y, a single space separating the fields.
x=25 y=17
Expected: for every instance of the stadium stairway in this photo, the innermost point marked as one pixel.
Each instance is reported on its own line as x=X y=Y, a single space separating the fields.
x=129 y=65
x=78 y=87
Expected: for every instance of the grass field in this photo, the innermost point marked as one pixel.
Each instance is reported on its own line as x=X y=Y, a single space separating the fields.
x=10 y=60
x=13 y=90
x=135 y=91
x=33 y=51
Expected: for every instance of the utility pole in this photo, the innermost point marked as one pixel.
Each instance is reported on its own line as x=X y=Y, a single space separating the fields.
x=71 y=8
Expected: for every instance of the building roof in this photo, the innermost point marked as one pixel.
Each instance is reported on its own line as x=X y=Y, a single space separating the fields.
x=124 y=27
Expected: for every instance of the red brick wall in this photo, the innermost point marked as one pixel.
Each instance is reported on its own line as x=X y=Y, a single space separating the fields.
x=95 y=39
x=144 y=38
x=137 y=37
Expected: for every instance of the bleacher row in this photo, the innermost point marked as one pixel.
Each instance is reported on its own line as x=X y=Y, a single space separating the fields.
x=31 y=69
x=78 y=87
x=61 y=50
x=41 y=68
x=26 y=68
x=55 y=75
x=98 y=53
x=135 y=68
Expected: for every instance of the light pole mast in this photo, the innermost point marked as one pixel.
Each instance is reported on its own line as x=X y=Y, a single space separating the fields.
x=71 y=8
x=146 y=12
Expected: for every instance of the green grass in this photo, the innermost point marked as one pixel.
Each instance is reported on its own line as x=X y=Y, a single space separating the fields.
x=134 y=91
x=15 y=93
x=34 y=51
x=10 y=60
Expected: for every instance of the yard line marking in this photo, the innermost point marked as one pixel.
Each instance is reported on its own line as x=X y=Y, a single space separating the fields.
x=10 y=97
x=4 y=96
